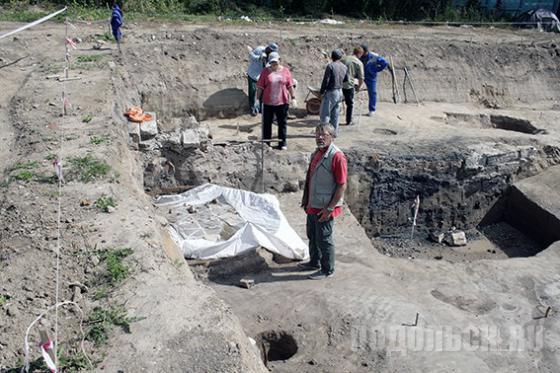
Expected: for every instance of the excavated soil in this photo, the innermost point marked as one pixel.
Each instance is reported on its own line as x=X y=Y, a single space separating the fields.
x=488 y=119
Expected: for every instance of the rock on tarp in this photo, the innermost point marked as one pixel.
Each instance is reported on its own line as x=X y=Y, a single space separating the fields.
x=263 y=224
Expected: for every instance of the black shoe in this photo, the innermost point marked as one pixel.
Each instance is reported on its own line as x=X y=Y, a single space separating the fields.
x=308 y=266
x=319 y=275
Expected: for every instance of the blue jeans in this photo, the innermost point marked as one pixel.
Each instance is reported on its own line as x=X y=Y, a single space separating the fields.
x=330 y=108
x=372 y=93
x=321 y=244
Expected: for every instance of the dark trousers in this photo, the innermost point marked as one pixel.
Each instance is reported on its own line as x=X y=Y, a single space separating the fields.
x=349 y=101
x=252 y=85
x=321 y=244
x=281 y=112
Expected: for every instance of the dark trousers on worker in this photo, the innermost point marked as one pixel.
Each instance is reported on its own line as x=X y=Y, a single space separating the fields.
x=321 y=244
x=349 y=101
x=281 y=113
x=252 y=89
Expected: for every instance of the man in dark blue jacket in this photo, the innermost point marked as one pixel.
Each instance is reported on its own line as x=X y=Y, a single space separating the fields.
x=373 y=63
x=117 y=21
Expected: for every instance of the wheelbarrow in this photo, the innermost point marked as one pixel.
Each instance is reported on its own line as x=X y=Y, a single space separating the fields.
x=313 y=104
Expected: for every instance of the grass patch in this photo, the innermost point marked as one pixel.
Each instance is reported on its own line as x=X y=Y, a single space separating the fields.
x=15 y=15
x=89 y=58
x=87 y=118
x=70 y=363
x=46 y=178
x=103 y=320
x=51 y=157
x=25 y=175
x=98 y=140
x=6 y=182
x=116 y=269
x=29 y=165
x=101 y=293
x=3 y=299
x=104 y=202
x=88 y=168
x=106 y=36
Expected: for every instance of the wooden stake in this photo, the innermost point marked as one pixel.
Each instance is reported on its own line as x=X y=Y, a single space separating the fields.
x=396 y=95
x=407 y=74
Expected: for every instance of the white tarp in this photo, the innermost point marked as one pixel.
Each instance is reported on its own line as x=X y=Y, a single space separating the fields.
x=262 y=224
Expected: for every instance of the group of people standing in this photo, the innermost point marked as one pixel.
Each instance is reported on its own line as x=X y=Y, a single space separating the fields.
x=344 y=77
x=272 y=87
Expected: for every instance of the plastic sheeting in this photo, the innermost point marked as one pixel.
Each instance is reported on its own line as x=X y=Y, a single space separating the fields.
x=261 y=223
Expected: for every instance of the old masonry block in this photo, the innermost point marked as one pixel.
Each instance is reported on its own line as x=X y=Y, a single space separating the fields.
x=134 y=131
x=149 y=129
x=456 y=238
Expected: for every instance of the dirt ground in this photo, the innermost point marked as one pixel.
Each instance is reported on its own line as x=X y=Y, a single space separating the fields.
x=171 y=321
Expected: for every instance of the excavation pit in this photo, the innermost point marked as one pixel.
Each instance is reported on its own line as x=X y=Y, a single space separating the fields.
x=493 y=121
x=276 y=345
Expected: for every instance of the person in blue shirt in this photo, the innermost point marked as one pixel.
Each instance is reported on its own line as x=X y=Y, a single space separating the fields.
x=257 y=61
x=117 y=21
x=373 y=63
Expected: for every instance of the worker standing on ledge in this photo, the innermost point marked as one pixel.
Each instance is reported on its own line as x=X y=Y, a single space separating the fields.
x=322 y=200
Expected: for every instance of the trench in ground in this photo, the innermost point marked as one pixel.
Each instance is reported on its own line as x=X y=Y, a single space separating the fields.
x=458 y=188
x=478 y=199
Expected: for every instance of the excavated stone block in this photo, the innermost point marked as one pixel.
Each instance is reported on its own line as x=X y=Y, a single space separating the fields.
x=190 y=138
x=437 y=236
x=149 y=129
x=456 y=238
x=134 y=131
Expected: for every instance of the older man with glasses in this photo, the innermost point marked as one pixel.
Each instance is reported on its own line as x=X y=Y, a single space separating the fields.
x=322 y=200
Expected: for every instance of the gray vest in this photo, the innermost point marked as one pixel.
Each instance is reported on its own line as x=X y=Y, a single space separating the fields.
x=322 y=184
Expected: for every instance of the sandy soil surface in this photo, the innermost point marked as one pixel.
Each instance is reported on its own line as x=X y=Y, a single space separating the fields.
x=170 y=321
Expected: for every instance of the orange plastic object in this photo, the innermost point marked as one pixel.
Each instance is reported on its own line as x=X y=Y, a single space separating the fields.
x=136 y=114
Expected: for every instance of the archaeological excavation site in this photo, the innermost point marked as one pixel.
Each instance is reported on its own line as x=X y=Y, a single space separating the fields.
x=172 y=245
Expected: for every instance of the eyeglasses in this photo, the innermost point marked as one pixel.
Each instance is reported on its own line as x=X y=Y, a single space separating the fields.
x=322 y=134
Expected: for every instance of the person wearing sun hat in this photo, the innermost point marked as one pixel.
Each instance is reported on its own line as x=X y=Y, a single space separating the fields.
x=275 y=86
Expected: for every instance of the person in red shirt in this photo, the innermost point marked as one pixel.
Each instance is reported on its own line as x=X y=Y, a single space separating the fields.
x=276 y=86
x=322 y=200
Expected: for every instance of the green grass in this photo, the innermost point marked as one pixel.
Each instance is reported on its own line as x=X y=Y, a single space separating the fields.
x=87 y=118
x=15 y=15
x=51 y=157
x=98 y=140
x=89 y=58
x=3 y=299
x=29 y=165
x=24 y=175
x=106 y=36
x=116 y=269
x=72 y=362
x=101 y=293
x=103 y=320
x=88 y=168
x=104 y=202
